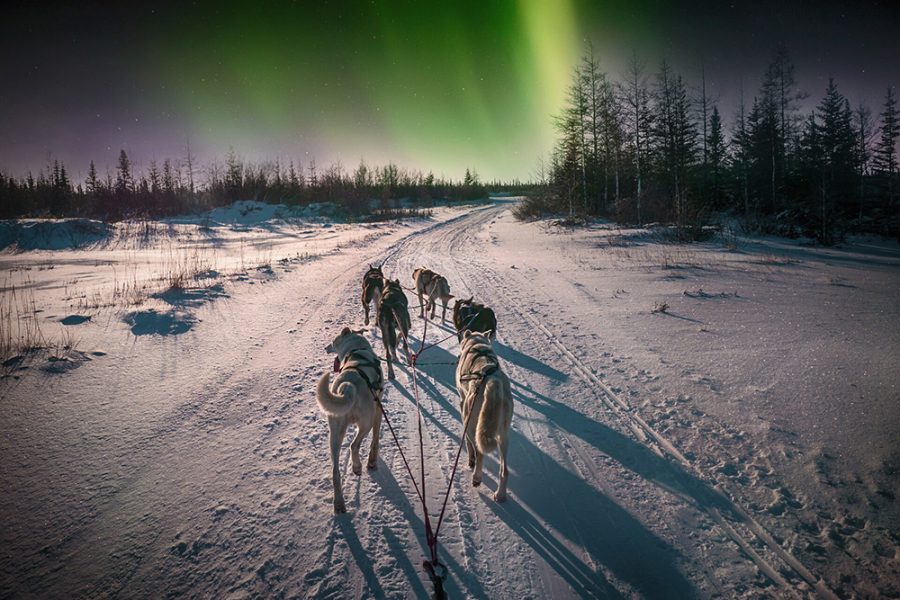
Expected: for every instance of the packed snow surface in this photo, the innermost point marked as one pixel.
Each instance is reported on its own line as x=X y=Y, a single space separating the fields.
x=705 y=420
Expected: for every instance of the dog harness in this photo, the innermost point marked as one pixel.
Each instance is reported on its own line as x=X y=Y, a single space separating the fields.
x=373 y=279
x=489 y=369
x=365 y=359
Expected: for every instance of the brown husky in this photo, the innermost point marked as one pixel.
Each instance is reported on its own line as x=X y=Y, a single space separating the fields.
x=423 y=277
x=438 y=288
x=352 y=399
x=372 y=285
x=484 y=393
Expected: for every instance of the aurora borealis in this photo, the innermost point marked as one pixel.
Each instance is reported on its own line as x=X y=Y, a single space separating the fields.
x=438 y=86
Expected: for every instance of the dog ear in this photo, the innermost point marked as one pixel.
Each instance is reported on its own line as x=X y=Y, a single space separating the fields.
x=370 y=266
x=449 y=297
x=469 y=301
x=467 y=334
x=345 y=331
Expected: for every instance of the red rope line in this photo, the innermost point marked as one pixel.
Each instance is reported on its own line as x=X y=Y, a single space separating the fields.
x=400 y=448
x=431 y=534
x=442 y=340
x=430 y=538
x=462 y=442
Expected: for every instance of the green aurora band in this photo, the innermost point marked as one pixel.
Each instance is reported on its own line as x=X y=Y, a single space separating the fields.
x=435 y=86
x=443 y=86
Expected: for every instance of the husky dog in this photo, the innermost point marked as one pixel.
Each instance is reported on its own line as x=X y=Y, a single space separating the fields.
x=393 y=314
x=352 y=398
x=438 y=288
x=484 y=393
x=372 y=285
x=473 y=316
x=423 y=277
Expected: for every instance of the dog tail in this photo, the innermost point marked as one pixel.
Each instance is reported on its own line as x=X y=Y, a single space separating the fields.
x=334 y=405
x=489 y=419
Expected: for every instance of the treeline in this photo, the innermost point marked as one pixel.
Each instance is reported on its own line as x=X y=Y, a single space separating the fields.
x=173 y=188
x=649 y=148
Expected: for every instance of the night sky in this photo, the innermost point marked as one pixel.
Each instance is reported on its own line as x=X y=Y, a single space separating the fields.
x=436 y=86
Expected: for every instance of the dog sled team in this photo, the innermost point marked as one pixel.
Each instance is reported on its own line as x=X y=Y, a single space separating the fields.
x=353 y=397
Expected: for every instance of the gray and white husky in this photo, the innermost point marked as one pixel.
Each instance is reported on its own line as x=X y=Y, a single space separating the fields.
x=484 y=392
x=393 y=316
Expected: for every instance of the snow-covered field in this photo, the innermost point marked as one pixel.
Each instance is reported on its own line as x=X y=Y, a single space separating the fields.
x=690 y=421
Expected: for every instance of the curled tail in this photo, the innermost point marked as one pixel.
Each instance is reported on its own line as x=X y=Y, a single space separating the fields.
x=489 y=418
x=331 y=404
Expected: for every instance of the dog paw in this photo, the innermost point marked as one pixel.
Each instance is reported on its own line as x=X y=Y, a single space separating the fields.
x=339 y=508
x=372 y=466
x=391 y=376
x=471 y=463
x=476 y=482
x=357 y=470
x=499 y=497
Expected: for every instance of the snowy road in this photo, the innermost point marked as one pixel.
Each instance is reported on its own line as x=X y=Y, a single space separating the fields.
x=197 y=465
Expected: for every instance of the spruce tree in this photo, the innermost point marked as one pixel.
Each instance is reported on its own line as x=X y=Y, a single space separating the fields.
x=741 y=160
x=569 y=155
x=864 y=135
x=675 y=136
x=154 y=178
x=594 y=85
x=640 y=119
x=812 y=172
x=886 y=149
x=838 y=144
x=124 y=179
x=92 y=183
x=716 y=152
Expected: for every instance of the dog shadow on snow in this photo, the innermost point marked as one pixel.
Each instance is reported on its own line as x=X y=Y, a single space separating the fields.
x=549 y=502
x=632 y=455
x=510 y=354
x=360 y=555
x=624 y=546
x=458 y=581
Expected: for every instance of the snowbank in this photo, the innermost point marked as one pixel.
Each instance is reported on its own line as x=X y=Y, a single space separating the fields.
x=51 y=234
x=250 y=213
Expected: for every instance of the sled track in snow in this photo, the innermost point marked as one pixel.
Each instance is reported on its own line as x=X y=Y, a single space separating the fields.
x=740 y=526
x=658 y=443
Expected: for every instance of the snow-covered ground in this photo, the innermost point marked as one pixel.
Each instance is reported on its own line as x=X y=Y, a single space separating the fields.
x=741 y=443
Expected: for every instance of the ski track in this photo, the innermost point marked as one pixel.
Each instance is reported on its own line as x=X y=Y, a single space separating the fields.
x=600 y=504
